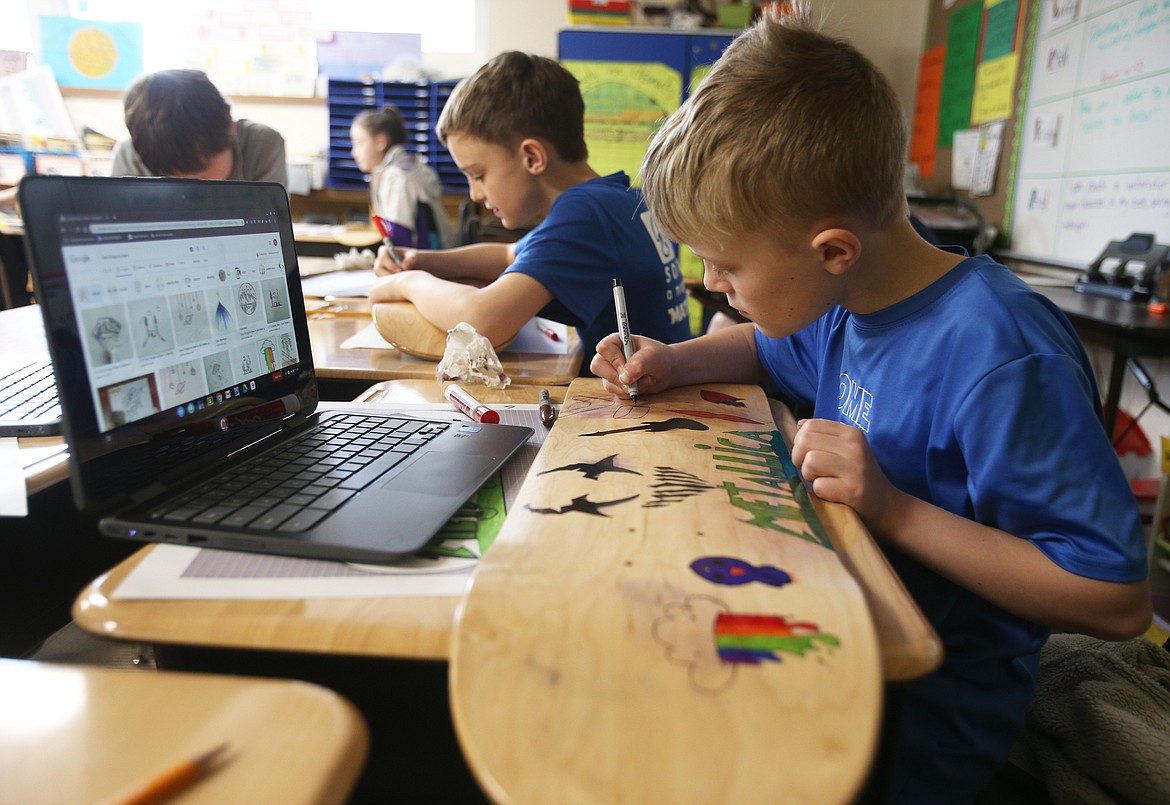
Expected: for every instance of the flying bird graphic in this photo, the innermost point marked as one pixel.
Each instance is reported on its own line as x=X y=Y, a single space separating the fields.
x=593 y=470
x=674 y=423
x=582 y=504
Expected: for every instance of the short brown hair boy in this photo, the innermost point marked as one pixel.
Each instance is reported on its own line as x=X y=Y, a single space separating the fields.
x=518 y=95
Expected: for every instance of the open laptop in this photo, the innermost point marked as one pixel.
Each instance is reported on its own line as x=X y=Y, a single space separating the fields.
x=177 y=330
x=28 y=397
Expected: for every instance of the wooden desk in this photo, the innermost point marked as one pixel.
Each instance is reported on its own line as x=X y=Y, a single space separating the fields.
x=327 y=332
x=1128 y=329
x=399 y=626
x=71 y=734
x=326 y=245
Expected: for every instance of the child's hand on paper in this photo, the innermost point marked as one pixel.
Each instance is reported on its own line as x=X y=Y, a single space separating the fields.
x=386 y=265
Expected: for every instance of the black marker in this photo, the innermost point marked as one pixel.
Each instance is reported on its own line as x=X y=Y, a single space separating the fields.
x=623 y=320
x=548 y=414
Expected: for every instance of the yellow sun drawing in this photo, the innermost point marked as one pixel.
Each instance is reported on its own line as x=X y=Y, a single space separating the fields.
x=93 y=52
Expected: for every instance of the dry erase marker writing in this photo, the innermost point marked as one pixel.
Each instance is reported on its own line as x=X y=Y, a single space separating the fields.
x=384 y=231
x=623 y=320
x=173 y=780
x=548 y=414
x=469 y=406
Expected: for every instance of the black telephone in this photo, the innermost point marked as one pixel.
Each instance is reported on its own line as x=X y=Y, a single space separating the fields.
x=1128 y=269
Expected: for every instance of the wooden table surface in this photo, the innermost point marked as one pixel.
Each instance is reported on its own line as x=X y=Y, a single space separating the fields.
x=329 y=330
x=416 y=627
x=663 y=618
x=73 y=734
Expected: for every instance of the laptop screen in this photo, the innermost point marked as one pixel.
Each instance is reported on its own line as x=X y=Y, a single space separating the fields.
x=177 y=315
x=173 y=311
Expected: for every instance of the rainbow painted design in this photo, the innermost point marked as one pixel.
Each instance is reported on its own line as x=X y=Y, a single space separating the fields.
x=753 y=639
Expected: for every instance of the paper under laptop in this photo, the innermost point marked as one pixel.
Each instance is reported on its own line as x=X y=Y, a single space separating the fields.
x=176 y=325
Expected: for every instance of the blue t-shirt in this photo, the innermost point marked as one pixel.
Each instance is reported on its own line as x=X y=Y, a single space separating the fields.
x=975 y=395
x=595 y=232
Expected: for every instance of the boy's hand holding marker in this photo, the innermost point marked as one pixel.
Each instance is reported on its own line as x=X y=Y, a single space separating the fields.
x=392 y=259
x=647 y=370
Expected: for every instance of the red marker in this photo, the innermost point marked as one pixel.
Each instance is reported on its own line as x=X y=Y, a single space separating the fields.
x=384 y=231
x=469 y=406
x=550 y=332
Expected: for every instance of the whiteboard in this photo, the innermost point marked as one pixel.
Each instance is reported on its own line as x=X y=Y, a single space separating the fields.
x=1093 y=146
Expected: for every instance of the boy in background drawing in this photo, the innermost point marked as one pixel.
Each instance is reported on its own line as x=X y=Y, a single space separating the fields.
x=516 y=130
x=953 y=408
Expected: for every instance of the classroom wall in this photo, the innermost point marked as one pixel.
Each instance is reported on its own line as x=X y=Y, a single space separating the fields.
x=888 y=31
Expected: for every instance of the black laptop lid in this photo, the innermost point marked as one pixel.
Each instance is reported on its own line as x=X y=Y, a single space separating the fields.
x=175 y=320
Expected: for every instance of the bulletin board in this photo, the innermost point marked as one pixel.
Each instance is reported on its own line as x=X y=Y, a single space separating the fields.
x=1083 y=159
x=970 y=77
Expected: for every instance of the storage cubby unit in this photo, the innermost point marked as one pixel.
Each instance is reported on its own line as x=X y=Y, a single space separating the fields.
x=419 y=104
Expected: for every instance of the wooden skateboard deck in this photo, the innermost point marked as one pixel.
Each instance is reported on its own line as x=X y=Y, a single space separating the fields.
x=406 y=330
x=663 y=619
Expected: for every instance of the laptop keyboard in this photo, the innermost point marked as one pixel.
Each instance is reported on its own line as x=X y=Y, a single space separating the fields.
x=29 y=392
x=294 y=486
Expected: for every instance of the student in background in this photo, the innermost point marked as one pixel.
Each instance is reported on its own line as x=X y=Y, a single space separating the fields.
x=516 y=130
x=404 y=191
x=954 y=408
x=181 y=126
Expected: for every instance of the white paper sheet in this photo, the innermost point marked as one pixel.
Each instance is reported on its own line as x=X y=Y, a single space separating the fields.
x=338 y=283
x=13 y=498
x=532 y=338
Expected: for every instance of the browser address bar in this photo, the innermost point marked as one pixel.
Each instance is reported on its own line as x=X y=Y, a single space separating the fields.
x=155 y=226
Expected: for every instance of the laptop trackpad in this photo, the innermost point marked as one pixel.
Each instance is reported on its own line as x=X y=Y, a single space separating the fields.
x=441 y=473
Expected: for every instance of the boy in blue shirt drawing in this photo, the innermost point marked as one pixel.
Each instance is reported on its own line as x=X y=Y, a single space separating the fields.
x=516 y=130
x=953 y=408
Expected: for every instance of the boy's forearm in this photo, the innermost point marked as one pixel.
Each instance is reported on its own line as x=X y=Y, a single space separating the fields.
x=725 y=356
x=1013 y=573
x=483 y=262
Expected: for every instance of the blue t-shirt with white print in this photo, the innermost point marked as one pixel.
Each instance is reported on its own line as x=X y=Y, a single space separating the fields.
x=975 y=395
x=595 y=232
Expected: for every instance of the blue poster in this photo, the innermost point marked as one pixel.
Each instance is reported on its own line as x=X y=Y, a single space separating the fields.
x=89 y=54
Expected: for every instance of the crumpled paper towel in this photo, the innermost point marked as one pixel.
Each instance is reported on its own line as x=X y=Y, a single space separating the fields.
x=354 y=259
x=470 y=357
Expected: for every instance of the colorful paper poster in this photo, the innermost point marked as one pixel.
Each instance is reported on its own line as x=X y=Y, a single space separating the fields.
x=924 y=138
x=995 y=83
x=958 y=87
x=625 y=103
x=362 y=56
x=1000 y=27
x=91 y=54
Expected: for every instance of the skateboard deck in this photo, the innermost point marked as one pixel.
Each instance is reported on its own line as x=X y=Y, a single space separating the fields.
x=663 y=618
x=406 y=330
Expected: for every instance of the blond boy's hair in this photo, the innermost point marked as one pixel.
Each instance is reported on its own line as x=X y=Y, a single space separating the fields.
x=515 y=96
x=790 y=128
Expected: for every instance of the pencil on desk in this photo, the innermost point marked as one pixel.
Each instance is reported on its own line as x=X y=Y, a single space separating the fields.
x=172 y=780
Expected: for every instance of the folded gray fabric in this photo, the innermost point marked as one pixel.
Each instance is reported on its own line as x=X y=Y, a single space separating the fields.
x=1098 y=730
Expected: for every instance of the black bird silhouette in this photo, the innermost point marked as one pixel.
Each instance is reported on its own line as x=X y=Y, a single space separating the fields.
x=582 y=504
x=674 y=423
x=594 y=470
